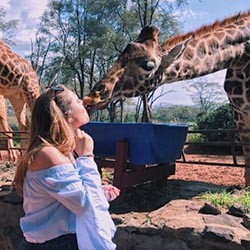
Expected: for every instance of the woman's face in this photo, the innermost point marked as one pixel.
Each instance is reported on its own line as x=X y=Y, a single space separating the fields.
x=78 y=115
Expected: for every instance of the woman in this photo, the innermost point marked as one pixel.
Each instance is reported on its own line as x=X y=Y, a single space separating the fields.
x=64 y=202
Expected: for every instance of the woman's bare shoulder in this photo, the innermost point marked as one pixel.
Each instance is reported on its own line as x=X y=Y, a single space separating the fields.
x=48 y=157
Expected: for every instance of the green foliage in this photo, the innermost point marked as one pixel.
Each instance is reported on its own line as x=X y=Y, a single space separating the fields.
x=78 y=41
x=220 y=118
x=174 y=113
x=244 y=200
x=194 y=137
x=13 y=123
x=225 y=199
x=160 y=114
x=7 y=28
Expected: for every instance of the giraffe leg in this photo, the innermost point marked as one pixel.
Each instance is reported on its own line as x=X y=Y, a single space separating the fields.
x=243 y=123
x=246 y=150
x=20 y=108
x=237 y=87
x=30 y=90
x=4 y=126
x=247 y=172
x=245 y=139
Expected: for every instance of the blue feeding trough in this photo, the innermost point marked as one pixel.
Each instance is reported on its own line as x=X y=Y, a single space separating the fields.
x=148 y=143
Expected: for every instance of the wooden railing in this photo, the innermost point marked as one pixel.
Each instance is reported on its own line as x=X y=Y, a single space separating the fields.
x=15 y=136
x=229 y=143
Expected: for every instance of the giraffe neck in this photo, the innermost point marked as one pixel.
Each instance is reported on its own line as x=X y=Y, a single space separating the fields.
x=209 y=49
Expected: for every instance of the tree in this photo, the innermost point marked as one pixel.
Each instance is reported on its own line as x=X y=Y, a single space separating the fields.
x=74 y=41
x=7 y=28
x=159 y=13
x=206 y=95
x=79 y=40
x=220 y=118
x=175 y=114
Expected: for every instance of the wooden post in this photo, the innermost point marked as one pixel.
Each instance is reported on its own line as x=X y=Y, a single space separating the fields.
x=121 y=159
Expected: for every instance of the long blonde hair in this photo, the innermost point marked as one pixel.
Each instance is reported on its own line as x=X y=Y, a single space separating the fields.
x=48 y=127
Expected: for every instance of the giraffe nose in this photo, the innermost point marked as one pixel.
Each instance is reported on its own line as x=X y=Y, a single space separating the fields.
x=88 y=104
x=91 y=100
x=86 y=101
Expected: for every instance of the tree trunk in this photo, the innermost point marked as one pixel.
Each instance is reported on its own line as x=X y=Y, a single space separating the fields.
x=146 y=114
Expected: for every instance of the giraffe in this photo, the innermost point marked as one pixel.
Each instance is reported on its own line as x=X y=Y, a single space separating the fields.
x=144 y=65
x=19 y=84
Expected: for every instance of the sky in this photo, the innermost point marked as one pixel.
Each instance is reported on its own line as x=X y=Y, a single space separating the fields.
x=196 y=14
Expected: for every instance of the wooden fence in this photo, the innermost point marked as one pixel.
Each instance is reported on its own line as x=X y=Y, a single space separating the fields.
x=15 y=136
x=230 y=143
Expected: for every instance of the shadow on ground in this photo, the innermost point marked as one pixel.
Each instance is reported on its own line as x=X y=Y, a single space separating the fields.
x=151 y=196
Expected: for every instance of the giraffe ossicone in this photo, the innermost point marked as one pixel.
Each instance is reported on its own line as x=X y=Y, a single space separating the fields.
x=144 y=65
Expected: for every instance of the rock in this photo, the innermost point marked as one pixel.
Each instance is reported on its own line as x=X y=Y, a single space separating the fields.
x=209 y=209
x=177 y=225
x=217 y=233
x=246 y=242
x=11 y=211
x=236 y=210
x=224 y=219
x=233 y=189
x=246 y=221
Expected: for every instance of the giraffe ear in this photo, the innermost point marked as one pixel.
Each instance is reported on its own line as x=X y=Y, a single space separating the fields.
x=125 y=55
x=148 y=33
x=174 y=53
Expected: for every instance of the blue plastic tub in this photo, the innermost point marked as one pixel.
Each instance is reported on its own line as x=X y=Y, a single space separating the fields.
x=148 y=143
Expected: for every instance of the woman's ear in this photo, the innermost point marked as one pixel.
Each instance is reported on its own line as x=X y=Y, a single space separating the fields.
x=69 y=118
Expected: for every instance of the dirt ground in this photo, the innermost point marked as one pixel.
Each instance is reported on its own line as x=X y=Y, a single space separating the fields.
x=189 y=181
x=214 y=174
x=218 y=175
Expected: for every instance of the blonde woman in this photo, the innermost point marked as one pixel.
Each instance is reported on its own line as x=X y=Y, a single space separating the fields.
x=64 y=202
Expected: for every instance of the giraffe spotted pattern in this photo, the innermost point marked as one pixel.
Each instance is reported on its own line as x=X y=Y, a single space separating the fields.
x=144 y=65
x=19 y=84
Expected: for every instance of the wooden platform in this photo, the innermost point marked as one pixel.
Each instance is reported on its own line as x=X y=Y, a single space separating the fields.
x=127 y=174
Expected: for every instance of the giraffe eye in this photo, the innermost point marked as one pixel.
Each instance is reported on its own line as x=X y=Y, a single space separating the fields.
x=148 y=65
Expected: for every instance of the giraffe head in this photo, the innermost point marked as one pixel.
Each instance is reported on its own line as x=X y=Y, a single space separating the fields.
x=126 y=78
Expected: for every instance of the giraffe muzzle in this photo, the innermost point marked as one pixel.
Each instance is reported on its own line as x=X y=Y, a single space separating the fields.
x=92 y=104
